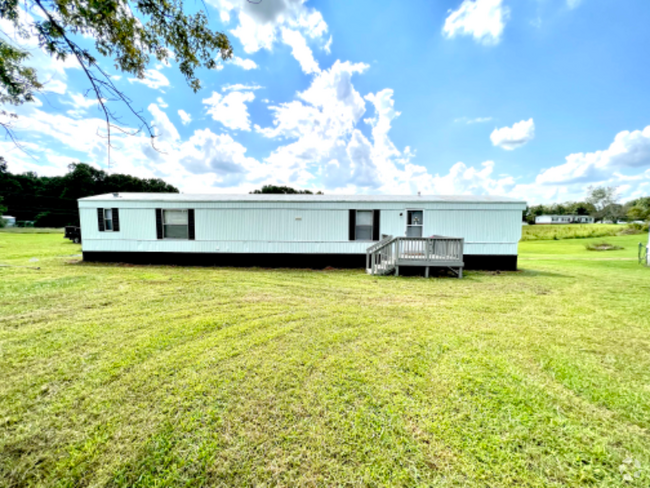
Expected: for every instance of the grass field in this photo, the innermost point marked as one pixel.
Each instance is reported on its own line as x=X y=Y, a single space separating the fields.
x=576 y=231
x=170 y=376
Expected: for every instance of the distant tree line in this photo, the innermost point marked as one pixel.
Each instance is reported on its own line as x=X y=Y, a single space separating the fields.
x=51 y=201
x=601 y=203
x=283 y=190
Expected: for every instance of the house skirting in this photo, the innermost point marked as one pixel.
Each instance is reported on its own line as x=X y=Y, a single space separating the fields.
x=270 y=260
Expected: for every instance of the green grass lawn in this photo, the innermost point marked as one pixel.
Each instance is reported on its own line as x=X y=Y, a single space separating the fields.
x=169 y=376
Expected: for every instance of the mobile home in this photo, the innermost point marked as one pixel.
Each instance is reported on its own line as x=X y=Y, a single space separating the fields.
x=291 y=230
x=564 y=219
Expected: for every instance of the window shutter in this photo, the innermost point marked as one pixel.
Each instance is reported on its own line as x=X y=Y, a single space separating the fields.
x=375 y=225
x=100 y=219
x=116 y=220
x=190 y=224
x=353 y=224
x=159 y=223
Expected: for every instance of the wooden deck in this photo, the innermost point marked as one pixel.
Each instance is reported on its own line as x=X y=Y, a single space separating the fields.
x=386 y=256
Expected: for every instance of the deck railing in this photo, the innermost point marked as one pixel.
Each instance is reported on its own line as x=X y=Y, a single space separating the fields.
x=392 y=252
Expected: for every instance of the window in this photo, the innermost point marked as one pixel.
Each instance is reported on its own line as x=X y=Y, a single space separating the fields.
x=363 y=229
x=108 y=219
x=175 y=224
x=414 y=223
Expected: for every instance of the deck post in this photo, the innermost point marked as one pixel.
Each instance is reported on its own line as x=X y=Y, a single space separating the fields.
x=426 y=272
x=460 y=273
x=396 y=270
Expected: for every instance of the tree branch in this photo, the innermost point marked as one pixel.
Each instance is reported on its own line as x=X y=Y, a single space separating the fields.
x=98 y=84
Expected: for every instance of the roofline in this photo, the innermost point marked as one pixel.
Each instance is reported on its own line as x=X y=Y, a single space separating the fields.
x=267 y=197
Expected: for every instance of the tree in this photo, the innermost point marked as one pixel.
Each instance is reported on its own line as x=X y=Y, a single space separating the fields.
x=605 y=202
x=52 y=201
x=285 y=190
x=129 y=32
x=638 y=209
x=601 y=196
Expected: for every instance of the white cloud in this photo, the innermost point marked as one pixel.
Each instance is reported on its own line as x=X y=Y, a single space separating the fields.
x=630 y=150
x=477 y=120
x=185 y=117
x=165 y=131
x=231 y=109
x=153 y=78
x=241 y=87
x=328 y=46
x=161 y=102
x=220 y=155
x=463 y=180
x=300 y=50
x=246 y=64
x=81 y=104
x=81 y=101
x=573 y=3
x=484 y=20
x=260 y=23
x=518 y=135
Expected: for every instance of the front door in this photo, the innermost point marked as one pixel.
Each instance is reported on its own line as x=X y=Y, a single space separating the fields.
x=414 y=223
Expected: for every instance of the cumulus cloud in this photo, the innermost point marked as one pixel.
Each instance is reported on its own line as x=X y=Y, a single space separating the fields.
x=300 y=50
x=185 y=117
x=518 y=135
x=630 y=150
x=246 y=64
x=220 y=155
x=262 y=24
x=484 y=20
x=319 y=124
x=153 y=78
x=165 y=130
x=231 y=109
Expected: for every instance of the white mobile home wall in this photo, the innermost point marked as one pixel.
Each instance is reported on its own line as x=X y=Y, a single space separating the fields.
x=306 y=225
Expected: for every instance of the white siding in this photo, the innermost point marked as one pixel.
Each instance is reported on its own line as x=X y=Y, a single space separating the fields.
x=298 y=227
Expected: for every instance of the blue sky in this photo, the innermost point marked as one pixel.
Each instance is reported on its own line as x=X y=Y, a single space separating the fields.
x=535 y=99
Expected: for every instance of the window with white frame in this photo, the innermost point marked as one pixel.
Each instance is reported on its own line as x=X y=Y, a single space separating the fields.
x=414 y=223
x=108 y=219
x=175 y=224
x=363 y=228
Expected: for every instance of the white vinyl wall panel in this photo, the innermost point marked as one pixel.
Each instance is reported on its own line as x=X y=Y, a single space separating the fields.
x=271 y=225
x=297 y=229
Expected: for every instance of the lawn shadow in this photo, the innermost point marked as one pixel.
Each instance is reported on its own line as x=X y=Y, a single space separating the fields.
x=531 y=273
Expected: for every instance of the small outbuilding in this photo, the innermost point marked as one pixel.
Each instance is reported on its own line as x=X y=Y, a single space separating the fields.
x=10 y=221
x=293 y=230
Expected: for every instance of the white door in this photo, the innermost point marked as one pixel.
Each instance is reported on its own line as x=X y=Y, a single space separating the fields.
x=414 y=223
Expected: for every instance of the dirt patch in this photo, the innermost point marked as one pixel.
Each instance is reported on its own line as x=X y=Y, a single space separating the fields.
x=602 y=246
